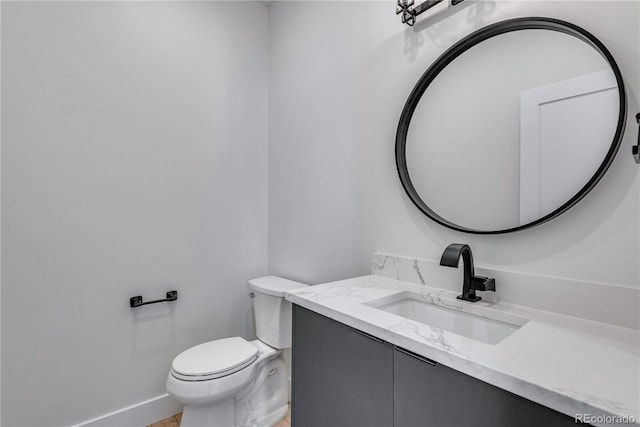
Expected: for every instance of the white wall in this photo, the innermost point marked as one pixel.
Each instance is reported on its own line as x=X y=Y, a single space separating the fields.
x=134 y=161
x=340 y=75
x=0 y=222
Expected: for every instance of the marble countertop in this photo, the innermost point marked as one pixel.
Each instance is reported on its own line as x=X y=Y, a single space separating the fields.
x=572 y=365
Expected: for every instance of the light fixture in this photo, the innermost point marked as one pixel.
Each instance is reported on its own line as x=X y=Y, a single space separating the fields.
x=432 y=7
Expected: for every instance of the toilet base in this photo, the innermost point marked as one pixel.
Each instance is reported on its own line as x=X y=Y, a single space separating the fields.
x=220 y=415
x=262 y=403
x=223 y=415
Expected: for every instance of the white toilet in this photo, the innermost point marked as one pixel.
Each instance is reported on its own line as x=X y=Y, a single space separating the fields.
x=235 y=382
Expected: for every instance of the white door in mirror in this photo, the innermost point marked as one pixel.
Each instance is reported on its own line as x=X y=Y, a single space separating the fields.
x=553 y=138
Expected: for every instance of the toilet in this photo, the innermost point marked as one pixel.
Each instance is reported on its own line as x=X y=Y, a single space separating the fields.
x=235 y=382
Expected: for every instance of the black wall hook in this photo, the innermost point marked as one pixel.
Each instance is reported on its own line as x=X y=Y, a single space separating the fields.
x=137 y=300
x=636 y=148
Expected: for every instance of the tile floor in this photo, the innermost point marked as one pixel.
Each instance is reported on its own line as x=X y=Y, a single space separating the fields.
x=174 y=421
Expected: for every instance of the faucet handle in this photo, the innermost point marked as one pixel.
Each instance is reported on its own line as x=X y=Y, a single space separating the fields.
x=490 y=284
x=480 y=283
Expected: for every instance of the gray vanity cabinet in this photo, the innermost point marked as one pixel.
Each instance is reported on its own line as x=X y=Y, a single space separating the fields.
x=344 y=378
x=341 y=377
x=431 y=394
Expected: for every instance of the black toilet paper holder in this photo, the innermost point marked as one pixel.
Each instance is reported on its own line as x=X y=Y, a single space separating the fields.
x=137 y=300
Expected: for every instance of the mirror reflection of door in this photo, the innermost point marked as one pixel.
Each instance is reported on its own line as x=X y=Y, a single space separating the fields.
x=562 y=127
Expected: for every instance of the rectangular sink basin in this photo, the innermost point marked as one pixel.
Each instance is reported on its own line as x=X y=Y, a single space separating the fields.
x=478 y=323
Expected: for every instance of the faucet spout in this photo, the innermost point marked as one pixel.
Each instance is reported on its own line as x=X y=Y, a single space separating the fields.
x=470 y=282
x=451 y=258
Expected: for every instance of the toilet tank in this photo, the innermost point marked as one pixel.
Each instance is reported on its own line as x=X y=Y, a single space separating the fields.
x=272 y=311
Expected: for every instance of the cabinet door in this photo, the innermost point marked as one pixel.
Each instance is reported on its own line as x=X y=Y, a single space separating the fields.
x=341 y=377
x=430 y=394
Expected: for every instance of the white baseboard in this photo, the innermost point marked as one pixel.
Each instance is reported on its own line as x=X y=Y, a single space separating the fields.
x=138 y=415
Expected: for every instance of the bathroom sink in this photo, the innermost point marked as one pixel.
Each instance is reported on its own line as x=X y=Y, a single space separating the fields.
x=478 y=323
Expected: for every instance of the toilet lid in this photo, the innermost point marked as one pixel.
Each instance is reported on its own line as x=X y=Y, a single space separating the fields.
x=217 y=357
x=274 y=286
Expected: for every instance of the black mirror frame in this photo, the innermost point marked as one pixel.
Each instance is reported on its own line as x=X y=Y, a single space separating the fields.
x=536 y=23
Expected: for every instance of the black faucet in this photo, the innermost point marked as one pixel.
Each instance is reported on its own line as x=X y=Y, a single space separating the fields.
x=470 y=283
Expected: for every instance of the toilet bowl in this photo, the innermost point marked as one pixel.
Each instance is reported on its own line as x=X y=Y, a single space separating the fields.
x=235 y=382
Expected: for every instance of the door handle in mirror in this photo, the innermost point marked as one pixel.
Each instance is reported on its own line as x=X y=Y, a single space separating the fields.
x=636 y=148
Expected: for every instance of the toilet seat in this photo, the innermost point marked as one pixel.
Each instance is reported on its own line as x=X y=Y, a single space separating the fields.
x=214 y=359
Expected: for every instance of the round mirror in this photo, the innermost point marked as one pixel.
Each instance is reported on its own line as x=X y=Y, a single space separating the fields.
x=511 y=126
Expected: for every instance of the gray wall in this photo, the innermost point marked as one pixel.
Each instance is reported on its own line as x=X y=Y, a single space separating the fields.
x=340 y=74
x=134 y=161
